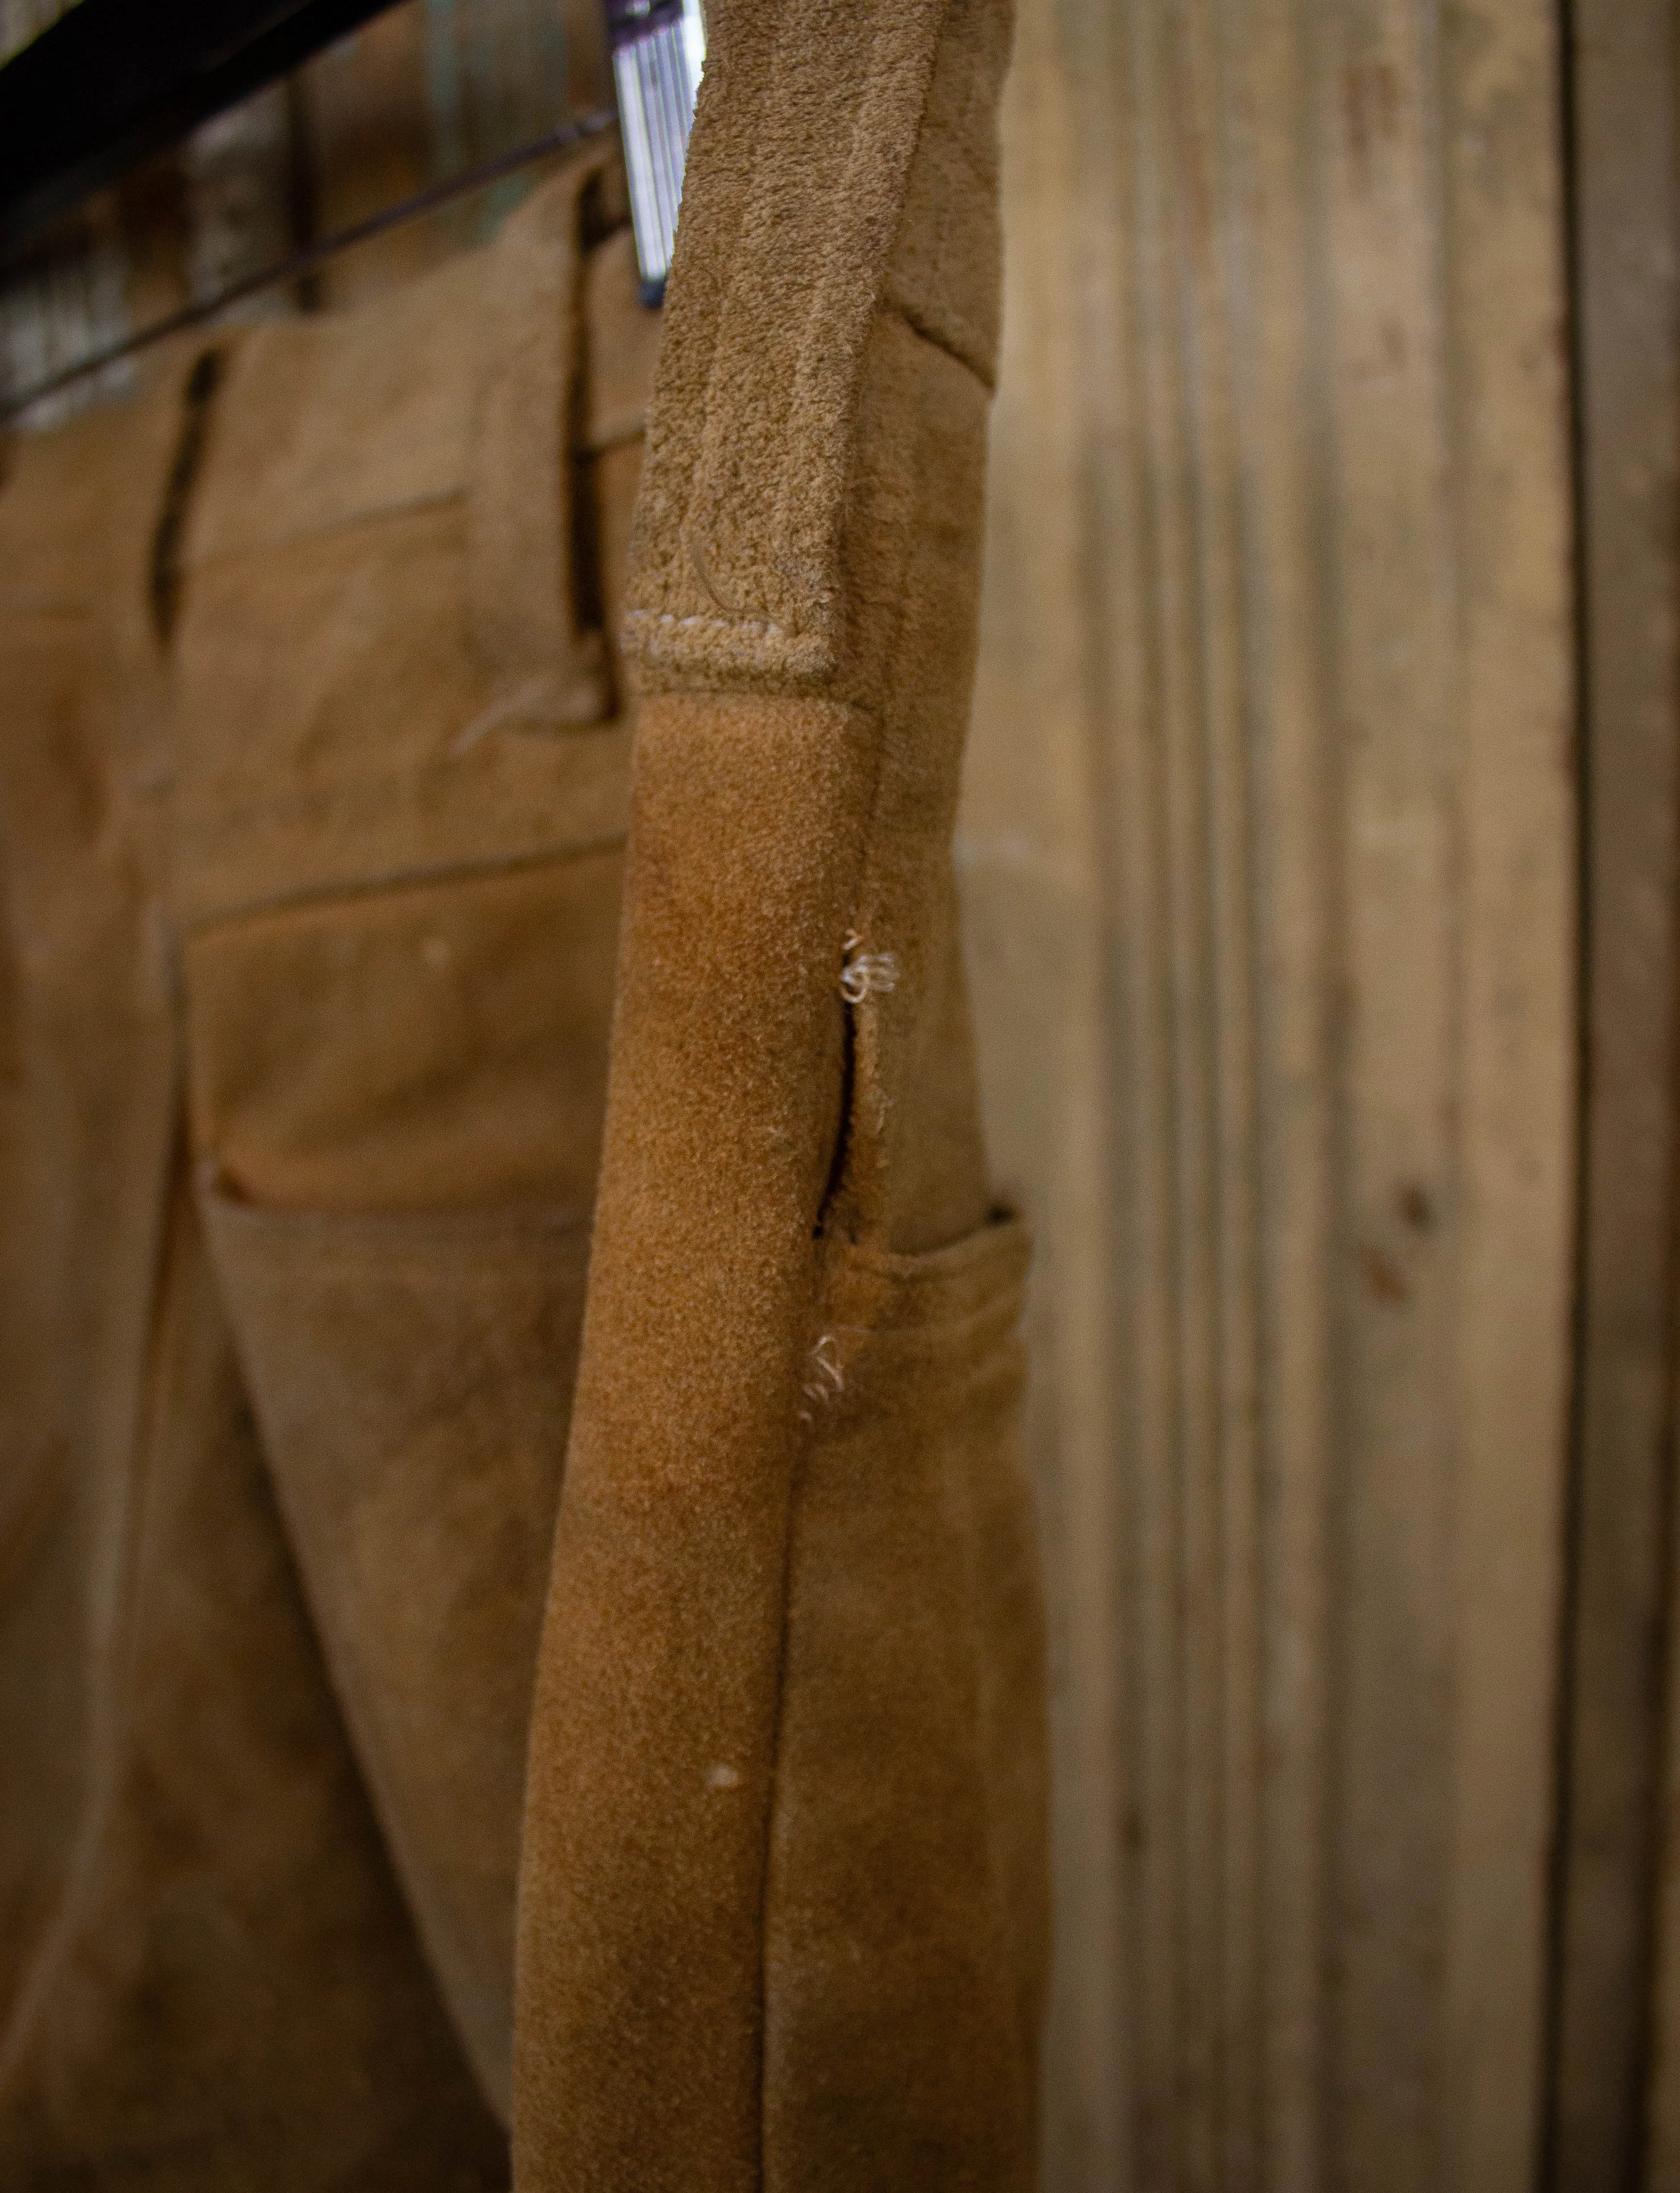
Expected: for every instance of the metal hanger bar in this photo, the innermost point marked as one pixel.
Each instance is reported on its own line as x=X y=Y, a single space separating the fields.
x=112 y=82
x=577 y=132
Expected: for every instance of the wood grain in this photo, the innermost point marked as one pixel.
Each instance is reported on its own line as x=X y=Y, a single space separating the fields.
x=1268 y=849
x=1627 y=167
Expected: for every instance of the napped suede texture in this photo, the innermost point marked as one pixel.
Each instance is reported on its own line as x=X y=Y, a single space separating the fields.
x=209 y=1976
x=518 y=1597
x=783 y=1913
x=314 y=769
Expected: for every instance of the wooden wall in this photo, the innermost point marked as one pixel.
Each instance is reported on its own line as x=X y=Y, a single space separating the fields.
x=1268 y=848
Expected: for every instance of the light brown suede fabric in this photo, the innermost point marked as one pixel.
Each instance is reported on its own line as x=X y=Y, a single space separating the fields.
x=398 y=863
x=312 y=913
x=783 y=1893
x=87 y=1094
x=314 y=783
x=208 y=1977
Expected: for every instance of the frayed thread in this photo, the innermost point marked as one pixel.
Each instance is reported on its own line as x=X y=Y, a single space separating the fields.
x=827 y=1381
x=866 y=974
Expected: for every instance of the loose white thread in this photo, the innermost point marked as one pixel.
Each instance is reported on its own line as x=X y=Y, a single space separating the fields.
x=716 y=623
x=866 y=974
x=827 y=1379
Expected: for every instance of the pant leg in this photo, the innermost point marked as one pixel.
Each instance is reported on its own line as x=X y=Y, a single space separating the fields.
x=404 y=778
x=210 y=1978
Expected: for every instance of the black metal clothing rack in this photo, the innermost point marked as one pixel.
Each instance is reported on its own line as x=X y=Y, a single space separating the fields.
x=114 y=81
x=15 y=403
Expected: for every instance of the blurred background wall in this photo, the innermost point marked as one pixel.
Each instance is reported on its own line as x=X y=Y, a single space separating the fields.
x=1270 y=855
x=1320 y=859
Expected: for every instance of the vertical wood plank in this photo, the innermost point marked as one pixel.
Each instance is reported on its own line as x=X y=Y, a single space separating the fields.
x=1627 y=207
x=1275 y=291
x=1030 y=857
x=1518 y=1015
x=1395 y=727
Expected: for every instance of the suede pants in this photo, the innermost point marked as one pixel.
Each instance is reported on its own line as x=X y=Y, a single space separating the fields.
x=784 y=1908
x=314 y=777
x=517 y=1596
